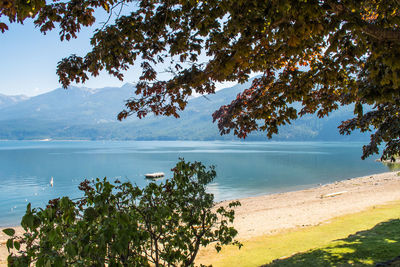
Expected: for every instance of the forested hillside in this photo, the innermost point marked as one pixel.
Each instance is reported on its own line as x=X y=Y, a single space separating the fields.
x=83 y=113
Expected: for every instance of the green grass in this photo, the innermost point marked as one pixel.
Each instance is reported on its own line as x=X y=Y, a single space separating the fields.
x=360 y=239
x=364 y=248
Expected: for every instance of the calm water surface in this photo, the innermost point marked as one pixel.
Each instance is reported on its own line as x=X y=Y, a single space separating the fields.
x=243 y=169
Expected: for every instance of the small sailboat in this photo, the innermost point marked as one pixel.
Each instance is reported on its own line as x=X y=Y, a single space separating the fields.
x=51 y=181
x=154 y=175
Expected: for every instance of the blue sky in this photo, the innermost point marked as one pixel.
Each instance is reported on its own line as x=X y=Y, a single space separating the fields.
x=28 y=60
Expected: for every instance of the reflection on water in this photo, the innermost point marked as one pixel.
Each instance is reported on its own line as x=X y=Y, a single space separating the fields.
x=243 y=169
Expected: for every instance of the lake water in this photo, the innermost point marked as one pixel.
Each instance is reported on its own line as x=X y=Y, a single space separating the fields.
x=243 y=168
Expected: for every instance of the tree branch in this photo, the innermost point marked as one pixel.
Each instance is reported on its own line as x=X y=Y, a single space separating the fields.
x=381 y=34
x=374 y=31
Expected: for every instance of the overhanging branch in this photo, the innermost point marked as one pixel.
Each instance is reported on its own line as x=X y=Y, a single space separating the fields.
x=372 y=30
x=381 y=34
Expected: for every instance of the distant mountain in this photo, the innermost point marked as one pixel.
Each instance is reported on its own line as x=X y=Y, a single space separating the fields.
x=9 y=100
x=83 y=113
x=75 y=105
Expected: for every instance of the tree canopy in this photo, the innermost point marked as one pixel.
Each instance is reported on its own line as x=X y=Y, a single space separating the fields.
x=321 y=54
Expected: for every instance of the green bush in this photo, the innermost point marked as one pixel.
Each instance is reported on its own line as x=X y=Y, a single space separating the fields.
x=120 y=224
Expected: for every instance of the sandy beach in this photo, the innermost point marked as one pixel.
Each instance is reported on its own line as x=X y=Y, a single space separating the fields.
x=270 y=214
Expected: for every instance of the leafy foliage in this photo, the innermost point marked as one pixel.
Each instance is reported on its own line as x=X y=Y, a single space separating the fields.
x=320 y=53
x=122 y=225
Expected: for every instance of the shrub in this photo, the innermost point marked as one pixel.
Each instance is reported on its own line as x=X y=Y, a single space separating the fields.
x=120 y=224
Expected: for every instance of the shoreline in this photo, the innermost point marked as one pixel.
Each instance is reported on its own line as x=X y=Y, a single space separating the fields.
x=274 y=213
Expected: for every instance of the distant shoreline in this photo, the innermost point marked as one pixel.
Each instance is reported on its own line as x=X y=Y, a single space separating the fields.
x=50 y=140
x=182 y=140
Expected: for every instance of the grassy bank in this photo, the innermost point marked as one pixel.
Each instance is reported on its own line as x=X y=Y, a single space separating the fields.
x=363 y=238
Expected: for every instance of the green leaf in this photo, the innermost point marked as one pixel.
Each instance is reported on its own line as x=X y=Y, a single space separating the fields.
x=17 y=245
x=27 y=220
x=9 y=231
x=9 y=244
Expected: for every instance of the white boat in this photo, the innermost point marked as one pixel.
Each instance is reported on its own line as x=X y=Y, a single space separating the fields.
x=154 y=175
x=51 y=181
